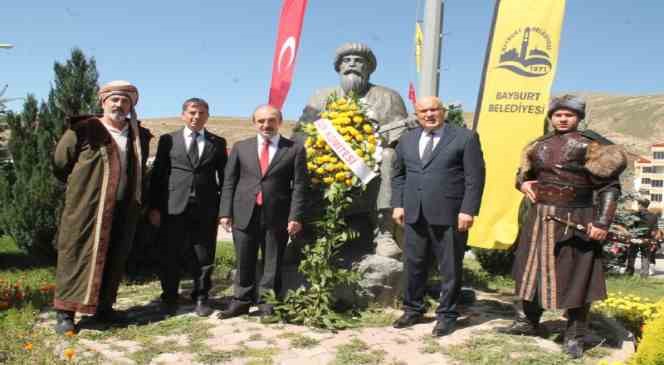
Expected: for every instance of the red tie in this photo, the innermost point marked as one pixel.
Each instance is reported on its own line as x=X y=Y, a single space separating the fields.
x=265 y=161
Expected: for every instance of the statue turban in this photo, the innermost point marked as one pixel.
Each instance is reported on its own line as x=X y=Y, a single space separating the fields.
x=355 y=49
x=119 y=87
x=571 y=102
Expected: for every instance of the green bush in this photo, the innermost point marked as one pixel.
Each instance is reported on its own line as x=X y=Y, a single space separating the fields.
x=495 y=262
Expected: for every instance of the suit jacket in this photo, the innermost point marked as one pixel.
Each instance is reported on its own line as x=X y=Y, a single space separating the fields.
x=173 y=174
x=283 y=185
x=451 y=182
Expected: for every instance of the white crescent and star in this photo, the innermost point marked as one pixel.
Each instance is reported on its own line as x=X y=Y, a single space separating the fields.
x=288 y=44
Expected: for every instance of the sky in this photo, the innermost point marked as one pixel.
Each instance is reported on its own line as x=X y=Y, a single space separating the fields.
x=222 y=50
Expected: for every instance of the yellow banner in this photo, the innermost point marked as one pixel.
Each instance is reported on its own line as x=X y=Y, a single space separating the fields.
x=518 y=73
x=419 y=40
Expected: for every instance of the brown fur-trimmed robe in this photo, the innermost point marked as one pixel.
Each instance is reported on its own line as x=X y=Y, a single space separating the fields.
x=91 y=262
x=555 y=266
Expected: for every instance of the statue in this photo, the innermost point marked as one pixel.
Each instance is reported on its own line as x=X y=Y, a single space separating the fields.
x=355 y=62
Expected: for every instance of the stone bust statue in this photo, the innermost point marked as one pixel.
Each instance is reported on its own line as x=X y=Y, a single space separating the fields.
x=355 y=62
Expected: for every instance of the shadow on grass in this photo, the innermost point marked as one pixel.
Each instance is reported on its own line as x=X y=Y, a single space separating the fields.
x=12 y=258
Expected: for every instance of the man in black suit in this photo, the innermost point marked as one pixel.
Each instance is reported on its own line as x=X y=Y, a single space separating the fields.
x=263 y=202
x=436 y=191
x=186 y=182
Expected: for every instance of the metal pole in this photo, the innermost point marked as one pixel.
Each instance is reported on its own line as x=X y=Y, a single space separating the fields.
x=433 y=32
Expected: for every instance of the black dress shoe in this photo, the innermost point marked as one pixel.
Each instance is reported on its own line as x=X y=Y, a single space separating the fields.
x=573 y=348
x=407 y=320
x=64 y=322
x=202 y=309
x=109 y=315
x=521 y=327
x=168 y=308
x=444 y=327
x=235 y=309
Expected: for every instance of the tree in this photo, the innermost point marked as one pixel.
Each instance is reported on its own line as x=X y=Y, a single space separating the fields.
x=33 y=196
x=455 y=115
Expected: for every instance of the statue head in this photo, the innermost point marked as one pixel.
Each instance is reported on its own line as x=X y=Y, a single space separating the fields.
x=354 y=62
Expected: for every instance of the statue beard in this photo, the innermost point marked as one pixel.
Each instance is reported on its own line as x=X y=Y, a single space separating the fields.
x=354 y=82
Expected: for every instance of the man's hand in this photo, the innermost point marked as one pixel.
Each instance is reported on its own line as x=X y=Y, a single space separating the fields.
x=154 y=216
x=596 y=233
x=398 y=215
x=294 y=227
x=528 y=189
x=226 y=223
x=465 y=222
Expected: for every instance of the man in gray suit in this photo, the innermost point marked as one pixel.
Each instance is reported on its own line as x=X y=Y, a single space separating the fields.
x=436 y=191
x=263 y=202
x=185 y=187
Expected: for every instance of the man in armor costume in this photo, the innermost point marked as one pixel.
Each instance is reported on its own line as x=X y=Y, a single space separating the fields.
x=570 y=174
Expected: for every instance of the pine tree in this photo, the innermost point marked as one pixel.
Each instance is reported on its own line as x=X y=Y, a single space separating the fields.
x=33 y=196
x=455 y=115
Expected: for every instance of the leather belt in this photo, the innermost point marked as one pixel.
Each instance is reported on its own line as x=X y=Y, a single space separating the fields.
x=564 y=195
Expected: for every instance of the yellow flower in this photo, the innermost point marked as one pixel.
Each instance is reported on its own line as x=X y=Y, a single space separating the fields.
x=332 y=106
x=328 y=180
x=340 y=176
x=320 y=171
x=333 y=159
x=359 y=137
x=330 y=167
x=324 y=115
x=359 y=152
x=69 y=353
x=349 y=182
x=371 y=148
x=358 y=119
x=342 y=101
x=321 y=160
x=367 y=128
x=311 y=166
x=27 y=346
x=371 y=139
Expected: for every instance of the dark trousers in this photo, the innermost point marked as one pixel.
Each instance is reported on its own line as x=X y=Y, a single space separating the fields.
x=447 y=246
x=647 y=258
x=116 y=258
x=190 y=244
x=271 y=241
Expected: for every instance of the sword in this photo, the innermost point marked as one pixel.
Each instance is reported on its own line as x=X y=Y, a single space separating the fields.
x=611 y=236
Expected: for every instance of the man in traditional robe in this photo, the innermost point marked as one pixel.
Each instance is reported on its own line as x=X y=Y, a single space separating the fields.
x=102 y=161
x=647 y=225
x=355 y=62
x=563 y=174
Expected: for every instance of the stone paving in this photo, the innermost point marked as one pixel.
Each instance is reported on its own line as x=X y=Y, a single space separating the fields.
x=187 y=339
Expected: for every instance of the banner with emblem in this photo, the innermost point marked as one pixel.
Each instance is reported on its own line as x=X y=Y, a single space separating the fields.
x=519 y=69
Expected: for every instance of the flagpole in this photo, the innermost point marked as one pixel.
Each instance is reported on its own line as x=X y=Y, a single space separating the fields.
x=433 y=32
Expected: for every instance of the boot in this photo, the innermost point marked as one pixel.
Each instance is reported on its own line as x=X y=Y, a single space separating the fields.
x=576 y=329
x=64 y=322
x=203 y=309
x=521 y=326
x=386 y=245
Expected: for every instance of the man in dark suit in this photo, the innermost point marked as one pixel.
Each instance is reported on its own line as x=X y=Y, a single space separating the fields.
x=186 y=182
x=436 y=191
x=263 y=202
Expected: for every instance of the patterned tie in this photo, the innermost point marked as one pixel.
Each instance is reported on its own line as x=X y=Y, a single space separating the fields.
x=428 y=149
x=193 y=148
x=264 y=162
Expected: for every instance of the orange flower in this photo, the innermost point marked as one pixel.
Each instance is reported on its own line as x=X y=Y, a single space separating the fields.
x=27 y=346
x=70 y=334
x=69 y=353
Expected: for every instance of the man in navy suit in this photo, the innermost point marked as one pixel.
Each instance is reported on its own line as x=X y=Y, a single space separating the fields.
x=262 y=202
x=436 y=191
x=185 y=187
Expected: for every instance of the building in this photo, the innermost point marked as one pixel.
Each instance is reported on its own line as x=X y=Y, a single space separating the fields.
x=649 y=176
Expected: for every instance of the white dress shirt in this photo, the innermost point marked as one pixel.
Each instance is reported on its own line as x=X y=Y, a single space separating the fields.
x=274 y=143
x=200 y=139
x=120 y=137
x=426 y=135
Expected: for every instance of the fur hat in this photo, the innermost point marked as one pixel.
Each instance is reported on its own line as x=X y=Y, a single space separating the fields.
x=119 y=87
x=353 y=48
x=571 y=102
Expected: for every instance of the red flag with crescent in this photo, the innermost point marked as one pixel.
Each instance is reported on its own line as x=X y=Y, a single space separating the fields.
x=288 y=41
x=411 y=93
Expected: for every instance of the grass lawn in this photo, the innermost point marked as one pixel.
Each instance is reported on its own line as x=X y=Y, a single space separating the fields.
x=26 y=292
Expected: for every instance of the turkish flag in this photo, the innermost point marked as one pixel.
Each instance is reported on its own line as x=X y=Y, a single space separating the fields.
x=288 y=41
x=411 y=93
